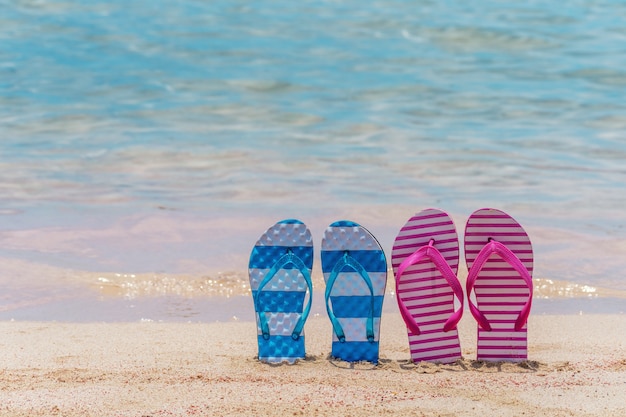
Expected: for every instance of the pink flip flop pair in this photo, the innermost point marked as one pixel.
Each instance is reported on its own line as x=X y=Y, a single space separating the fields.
x=499 y=257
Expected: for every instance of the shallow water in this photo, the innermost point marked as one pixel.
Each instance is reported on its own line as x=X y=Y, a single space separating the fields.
x=161 y=139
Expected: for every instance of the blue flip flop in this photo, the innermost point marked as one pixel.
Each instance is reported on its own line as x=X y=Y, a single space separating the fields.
x=355 y=272
x=280 y=276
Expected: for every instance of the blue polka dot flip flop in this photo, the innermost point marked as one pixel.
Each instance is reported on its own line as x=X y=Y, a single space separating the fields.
x=355 y=272
x=280 y=277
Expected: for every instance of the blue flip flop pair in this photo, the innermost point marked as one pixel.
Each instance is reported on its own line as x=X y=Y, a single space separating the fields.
x=355 y=272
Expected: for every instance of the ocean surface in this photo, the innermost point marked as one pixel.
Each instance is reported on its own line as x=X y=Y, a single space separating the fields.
x=146 y=145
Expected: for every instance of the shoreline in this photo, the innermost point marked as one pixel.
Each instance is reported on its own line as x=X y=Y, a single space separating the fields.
x=81 y=296
x=94 y=307
x=165 y=248
x=576 y=367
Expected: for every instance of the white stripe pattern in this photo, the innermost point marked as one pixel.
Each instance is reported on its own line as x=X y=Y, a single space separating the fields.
x=355 y=329
x=284 y=280
x=348 y=238
x=352 y=283
x=280 y=324
x=285 y=234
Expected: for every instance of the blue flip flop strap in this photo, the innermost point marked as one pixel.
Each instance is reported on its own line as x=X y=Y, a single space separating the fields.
x=348 y=260
x=286 y=259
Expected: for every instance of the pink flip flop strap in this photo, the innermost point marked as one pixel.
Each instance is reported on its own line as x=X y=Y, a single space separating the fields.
x=435 y=256
x=509 y=257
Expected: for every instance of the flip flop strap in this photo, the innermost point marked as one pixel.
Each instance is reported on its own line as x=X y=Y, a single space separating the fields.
x=348 y=260
x=435 y=256
x=509 y=257
x=286 y=259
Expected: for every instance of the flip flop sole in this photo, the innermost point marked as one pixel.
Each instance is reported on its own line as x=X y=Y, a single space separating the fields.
x=281 y=300
x=423 y=289
x=350 y=297
x=500 y=290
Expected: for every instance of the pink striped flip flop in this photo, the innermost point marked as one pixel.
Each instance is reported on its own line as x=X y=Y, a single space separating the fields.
x=425 y=260
x=499 y=258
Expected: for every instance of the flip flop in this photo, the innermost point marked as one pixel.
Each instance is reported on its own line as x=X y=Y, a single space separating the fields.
x=425 y=260
x=499 y=258
x=355 y=272
x=280 y=276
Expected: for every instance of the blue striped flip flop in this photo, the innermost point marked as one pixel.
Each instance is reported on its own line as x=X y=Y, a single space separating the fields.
x=280 y=275
x=355 y=272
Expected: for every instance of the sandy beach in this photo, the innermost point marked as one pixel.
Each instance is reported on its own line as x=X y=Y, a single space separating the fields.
x=147 y=145
x=577 y=367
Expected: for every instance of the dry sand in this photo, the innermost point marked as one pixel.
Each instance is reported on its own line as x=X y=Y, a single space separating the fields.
x=577 y=368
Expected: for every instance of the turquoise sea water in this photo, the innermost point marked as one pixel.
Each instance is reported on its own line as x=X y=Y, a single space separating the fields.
x=145 y=146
